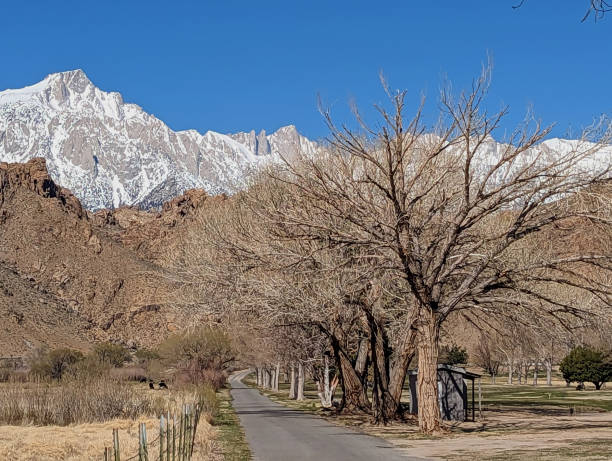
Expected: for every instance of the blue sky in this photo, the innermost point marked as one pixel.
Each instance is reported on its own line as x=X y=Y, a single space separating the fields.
x=239 y=65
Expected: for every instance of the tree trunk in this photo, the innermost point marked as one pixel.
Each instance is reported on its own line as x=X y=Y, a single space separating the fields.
x=354 y=397
x=598 y=386
x=427 y=376
x=510 y=371
x=259 y=377
x=326 y=390
x=548 y=365
x=300 y=382
x=272 y=378
x=380 y=369
x=397 y=375
x=361 y=363
x=492 y=378
x=276 y=376
x=535 y=374
x=389 y=375
x=266 y=383
x=292 y=382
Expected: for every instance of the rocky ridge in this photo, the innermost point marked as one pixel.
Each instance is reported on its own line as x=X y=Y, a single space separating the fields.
x=69 y=277
x=111 y=153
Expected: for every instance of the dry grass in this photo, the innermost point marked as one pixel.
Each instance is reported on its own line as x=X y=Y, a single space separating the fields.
x=87 y=441
x=90 y=401
x=75 y=402
x=74 y=420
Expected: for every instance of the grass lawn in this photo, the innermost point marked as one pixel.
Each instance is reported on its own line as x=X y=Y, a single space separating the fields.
x=230 y=433
x=544 y=396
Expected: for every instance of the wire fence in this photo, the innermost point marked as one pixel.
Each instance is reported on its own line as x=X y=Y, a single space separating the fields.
x=175 y=441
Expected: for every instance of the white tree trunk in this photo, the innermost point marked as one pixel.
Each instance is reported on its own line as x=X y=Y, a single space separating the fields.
x=300 y=382
x=326 y=392
x=259 y=377
x=535 y=374
x=510 y=371
x=548 y=364
x=292 y=382
x=276 y=376
x=266 y=378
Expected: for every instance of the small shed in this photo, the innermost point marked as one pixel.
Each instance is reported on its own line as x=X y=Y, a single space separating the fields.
x=452 y=392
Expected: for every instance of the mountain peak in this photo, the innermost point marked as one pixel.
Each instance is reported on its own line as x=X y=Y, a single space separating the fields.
x=57 y=85
x=75 y=80
x=69 y=74
x=112 y=154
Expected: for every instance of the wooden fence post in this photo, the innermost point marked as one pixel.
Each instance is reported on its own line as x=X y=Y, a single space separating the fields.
x=143 y=450
x=161 y=438
x=186 y=432
x=116 y=445
x=168 y=436
x=173 y=438
x=479 y=400
x=140 y=452
x=181 y=430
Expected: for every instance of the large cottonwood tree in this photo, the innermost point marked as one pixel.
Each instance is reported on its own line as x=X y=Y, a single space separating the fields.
x=444 y=212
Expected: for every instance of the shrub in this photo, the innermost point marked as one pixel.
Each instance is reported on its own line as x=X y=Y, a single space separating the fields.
x=114 y=355
x=144 y=356
x=88 y=368
x=584 y=364
x=207 y=400
x=54 y=363
x=200 y=355
x=454 y=355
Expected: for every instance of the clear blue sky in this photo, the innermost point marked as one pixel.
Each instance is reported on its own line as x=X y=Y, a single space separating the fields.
x=240 y=65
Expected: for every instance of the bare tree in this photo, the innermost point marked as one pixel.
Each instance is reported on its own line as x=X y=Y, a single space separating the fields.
x=392 y=231
x=442 y=213
x=597 y=8
x=486 y=356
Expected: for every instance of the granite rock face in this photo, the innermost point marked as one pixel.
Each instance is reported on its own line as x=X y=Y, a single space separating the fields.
x=111 y=153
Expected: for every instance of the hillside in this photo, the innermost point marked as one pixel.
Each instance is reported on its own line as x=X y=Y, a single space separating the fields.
x=68 y=275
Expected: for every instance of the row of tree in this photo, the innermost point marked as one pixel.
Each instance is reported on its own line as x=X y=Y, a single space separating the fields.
x=369 y=250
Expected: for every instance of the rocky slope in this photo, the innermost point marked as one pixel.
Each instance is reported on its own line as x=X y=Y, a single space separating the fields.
x=111 y=153
x=68 y=278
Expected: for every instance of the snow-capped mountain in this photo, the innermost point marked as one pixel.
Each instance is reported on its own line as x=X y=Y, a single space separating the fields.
x=111 y=153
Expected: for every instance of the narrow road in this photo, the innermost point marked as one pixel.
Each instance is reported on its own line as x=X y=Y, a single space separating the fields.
x=278 y=433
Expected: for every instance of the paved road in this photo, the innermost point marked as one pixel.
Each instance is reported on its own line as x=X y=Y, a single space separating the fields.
x=277 y=433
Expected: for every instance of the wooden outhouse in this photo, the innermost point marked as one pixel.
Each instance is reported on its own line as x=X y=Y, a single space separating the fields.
x=452 y=392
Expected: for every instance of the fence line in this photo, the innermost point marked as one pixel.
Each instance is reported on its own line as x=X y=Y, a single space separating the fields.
x=182 y=428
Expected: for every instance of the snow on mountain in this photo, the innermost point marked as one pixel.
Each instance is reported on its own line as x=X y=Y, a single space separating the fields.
x=111 y=153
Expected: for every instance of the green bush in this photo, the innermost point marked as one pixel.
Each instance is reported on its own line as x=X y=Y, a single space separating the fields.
x=114 y=355
x=584 y=364
x=54 y=363
x=454 y=355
